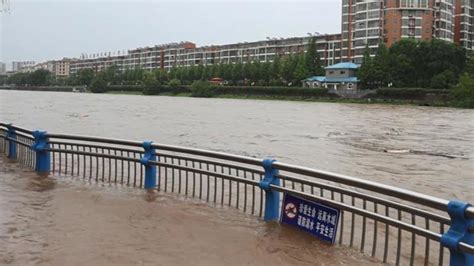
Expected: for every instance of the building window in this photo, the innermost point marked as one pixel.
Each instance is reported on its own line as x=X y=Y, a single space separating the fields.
x=342 y=72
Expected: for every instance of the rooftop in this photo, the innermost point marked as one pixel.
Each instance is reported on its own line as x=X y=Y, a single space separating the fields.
x=344 y=65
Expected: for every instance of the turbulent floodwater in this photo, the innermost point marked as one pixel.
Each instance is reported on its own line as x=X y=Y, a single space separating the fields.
x=60 y=221
x=430 y=150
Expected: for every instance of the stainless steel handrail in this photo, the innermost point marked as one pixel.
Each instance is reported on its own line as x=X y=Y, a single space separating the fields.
x=420 y=198
x=95 y=139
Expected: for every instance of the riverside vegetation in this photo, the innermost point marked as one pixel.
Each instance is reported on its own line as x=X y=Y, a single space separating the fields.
x=414 y=70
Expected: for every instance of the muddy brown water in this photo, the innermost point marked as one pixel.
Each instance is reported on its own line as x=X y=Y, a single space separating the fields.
x=59 y=221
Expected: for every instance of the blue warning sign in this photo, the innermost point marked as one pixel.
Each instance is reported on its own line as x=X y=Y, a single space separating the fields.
x=314 y=218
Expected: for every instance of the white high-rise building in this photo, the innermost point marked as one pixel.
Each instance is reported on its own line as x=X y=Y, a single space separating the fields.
x=18 y=66
x=3 y=68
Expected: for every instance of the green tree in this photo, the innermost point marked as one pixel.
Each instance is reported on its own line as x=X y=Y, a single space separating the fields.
x=463 y=94
x=443 y=80
x=247 y=70
x=365 y=71
x=287 y=71
x=301 y=70
x=237 y=72
x=275 y=71
x=380 y=73
x=312 y=59
x=150 y=85
x=470 y=65
x=40 y=77
x=20 y=79
x=99 y=84
x=113 y=75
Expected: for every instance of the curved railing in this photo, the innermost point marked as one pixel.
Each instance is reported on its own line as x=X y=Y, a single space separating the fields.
x=394 y=225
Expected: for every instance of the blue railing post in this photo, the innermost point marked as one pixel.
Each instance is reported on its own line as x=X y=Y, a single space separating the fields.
x=459 y=231
x=41 y=147
x=272 y=197
x=150 y=169
x=11 y=137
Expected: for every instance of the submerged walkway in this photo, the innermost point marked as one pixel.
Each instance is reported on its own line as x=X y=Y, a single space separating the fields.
x=62 y=221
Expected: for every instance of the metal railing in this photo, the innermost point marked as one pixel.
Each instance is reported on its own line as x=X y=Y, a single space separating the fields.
x=394 y=225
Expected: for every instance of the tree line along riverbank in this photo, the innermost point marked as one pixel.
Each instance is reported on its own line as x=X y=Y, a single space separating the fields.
x=413 y=96
x=408 y=64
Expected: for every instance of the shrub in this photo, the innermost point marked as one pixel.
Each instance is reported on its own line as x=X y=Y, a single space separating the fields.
x=202 y=89
x=405 y=93
x=443 y=80
x=463 y=94
x=174 y=83
x=98 y=84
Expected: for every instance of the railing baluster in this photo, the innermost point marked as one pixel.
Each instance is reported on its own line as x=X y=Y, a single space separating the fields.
x=441 y=248
x=172 y=175
x=341 y=235
x=200 y=182
x=128 y=169
x=399 y=240
x=245 y=193
x=208 y=183
x=374 y=242
x=351 y=242
x=110 y=166
x=53 y=146
x=60 y=164
x=253 y=195
x=385 y=250
x=165 y=175
x=427 y=243
x=230 y=188
x=237 y=192
x=362 y=242
x=413 y=241
x=84 y=163
x=179 y=177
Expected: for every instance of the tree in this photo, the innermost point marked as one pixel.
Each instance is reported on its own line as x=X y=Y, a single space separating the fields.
x=470 y=65
x=40 y=77
x=150 y=85
x=402 y=66
x=312 y=60
x=287 y=71
x=301 y=70
x=275 y=71
x=380 y=73
x=443 y=80
x=364 y=72
x=19 y=79
x=237 y=72
x=113 y=75
x=99 y=84
x=464 y=92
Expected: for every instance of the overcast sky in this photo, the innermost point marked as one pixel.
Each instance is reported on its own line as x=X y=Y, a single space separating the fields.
x=42 y=30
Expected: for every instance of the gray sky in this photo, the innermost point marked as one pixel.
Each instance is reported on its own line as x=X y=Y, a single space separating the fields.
x=42 y=30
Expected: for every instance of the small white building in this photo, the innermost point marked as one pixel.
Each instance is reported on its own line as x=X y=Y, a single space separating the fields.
x=341 y=76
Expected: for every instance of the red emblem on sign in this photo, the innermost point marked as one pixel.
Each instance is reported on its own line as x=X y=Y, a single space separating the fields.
x=290 y=210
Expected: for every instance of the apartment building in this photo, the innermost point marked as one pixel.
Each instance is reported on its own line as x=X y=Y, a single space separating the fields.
x=172 y=55
x=59 y=68
x=3 y=68
x=464 y=23
x=62 y=67
x=18 y=66
x=370 y=22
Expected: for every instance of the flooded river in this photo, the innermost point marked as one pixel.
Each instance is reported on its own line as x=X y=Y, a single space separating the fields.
x=429 y=150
